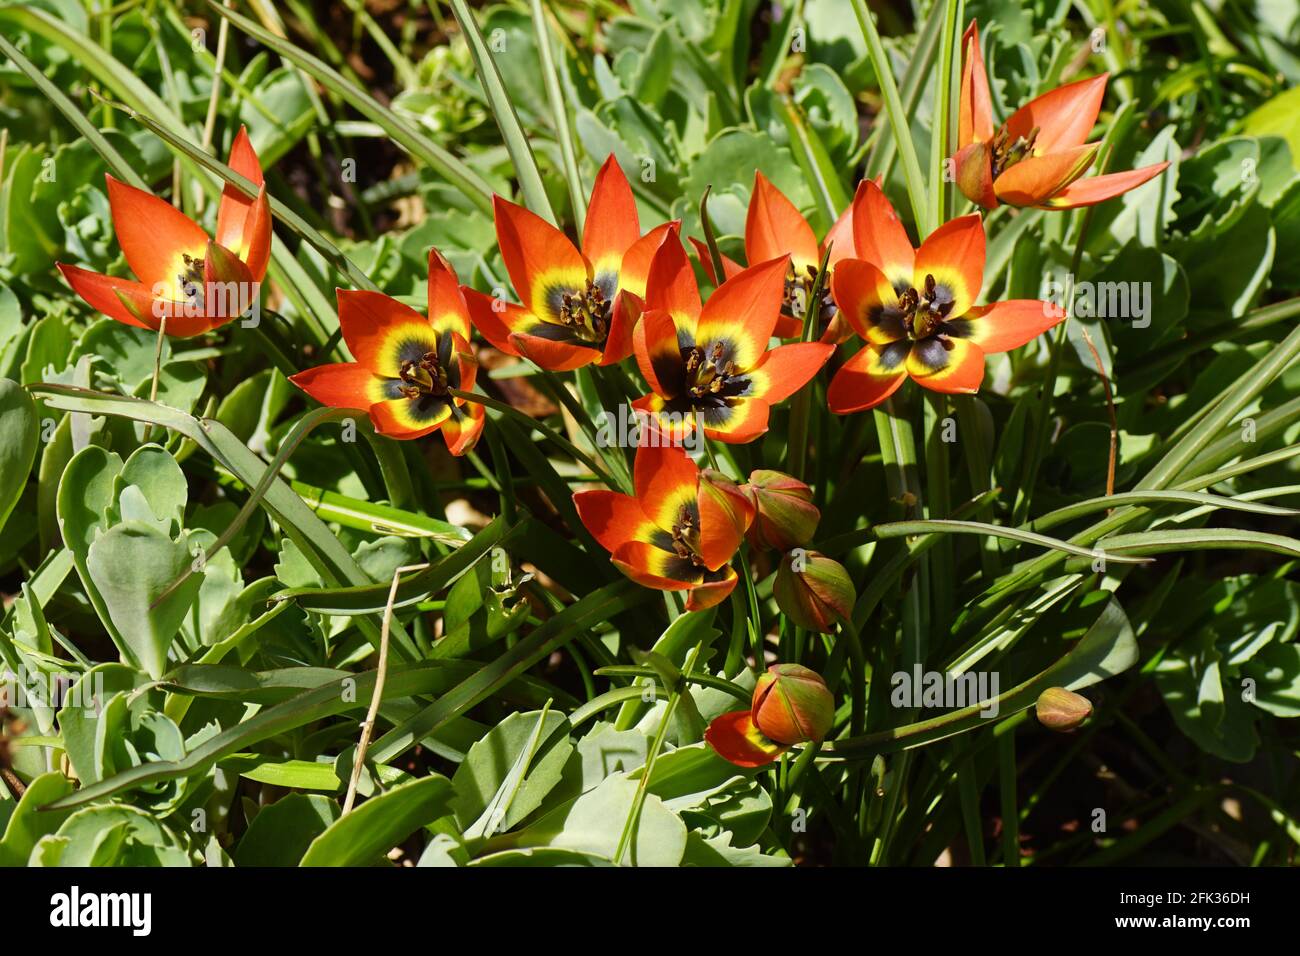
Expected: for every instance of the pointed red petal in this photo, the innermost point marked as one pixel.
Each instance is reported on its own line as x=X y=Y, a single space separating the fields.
x=729 y=266
x=613 y=519
x=1007 y=325
x=233 y=211
x=743 y=311
x=612 y=225
x=879 y=236
x=868 y=378
x=540 y=259
x=954 y=255
x=955 y=370
x=671 y=285
x=1064 y=116
x=774 y=227
x=735 y=738
x=1095 y=189
x=552 y=355
x=106 y=293
x=711 y=593
x=635 y=270
x=862 y=293
x=381 y=332
x=787 y=368
x=975 y=108
x=447 y=310
x=342 y=385
x=153 y=234
x=1034 y=181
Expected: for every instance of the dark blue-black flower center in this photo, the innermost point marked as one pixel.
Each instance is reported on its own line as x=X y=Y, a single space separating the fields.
x=711 y=377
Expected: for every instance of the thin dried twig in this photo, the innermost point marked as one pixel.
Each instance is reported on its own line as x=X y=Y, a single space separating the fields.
x=368 y=726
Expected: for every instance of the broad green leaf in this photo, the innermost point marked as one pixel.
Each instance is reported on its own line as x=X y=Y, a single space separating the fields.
x=367 y=833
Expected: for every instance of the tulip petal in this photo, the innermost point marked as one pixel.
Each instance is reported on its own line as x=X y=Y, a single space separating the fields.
x=670 y=422
x=654 y=567
x=666 y=480
x=106 y=294
x=235 y=207
x=624 y=316
x=612 y=225
x=713 y=591
x=787 y=368
x=736 y=739
x=255 y=248
x=659 y=353
x=868 y=378
x=879 y=236
x=635 y=269
x=1035 y=180
x=462 y=429
x=153 y=234
x=975 y=106
x=612 y=518
x=1064 y=116
x=725 y=516
x=1095 y=189
x=345 y=385
x=446 y=310
x=729 y=266
x=955 y=370
x=382 y=333
x=543 y=264
x=553 y=354
x=867 y=301
x=973 y=167
x=954 y=255
x=497 y=319
x=1005 y=325
x=774 y=228
x=742 y=313
x=839 y=240
x=406 y=418
x=742 y=421
x=671 y=285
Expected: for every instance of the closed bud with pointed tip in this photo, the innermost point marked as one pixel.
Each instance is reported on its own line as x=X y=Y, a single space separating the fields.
x=1062 y=710
x=792 y=705
x=785 y=516
x=816 y=593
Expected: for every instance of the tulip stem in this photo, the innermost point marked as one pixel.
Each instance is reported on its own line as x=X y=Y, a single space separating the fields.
x=157 y=367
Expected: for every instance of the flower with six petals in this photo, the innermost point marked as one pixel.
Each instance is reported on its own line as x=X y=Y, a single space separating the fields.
x=578 y=307
x=193 y=282
x=678 y=531
x=405 y=363
x=1040 y=154
x=915 y=309
x=708 y=364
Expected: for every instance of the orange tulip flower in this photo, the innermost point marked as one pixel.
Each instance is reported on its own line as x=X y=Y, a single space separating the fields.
x=405 y=363
x=1039 y=156
x=679 y=530
x=194 y=282
x=915 y=309
x=578 y=307
x=709 y=365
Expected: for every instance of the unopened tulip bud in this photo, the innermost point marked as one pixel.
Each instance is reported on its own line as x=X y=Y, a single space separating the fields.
x=786 y=517
x=1062 y=710
x=813 y=591
x=792 y=705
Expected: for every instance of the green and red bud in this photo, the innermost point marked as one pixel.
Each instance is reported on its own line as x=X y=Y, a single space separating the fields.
x=785 y=516
x=792 y=705
x=1062 y=710
x=813 y=591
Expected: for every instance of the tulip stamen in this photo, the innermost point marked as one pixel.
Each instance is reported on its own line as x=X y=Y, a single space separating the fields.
x=1007 y=153
x=797 y=291
x=190 y=282
x=925 y=312
x=708 y=375
x=423 y=376
x=685 y=538
x=587 y=313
